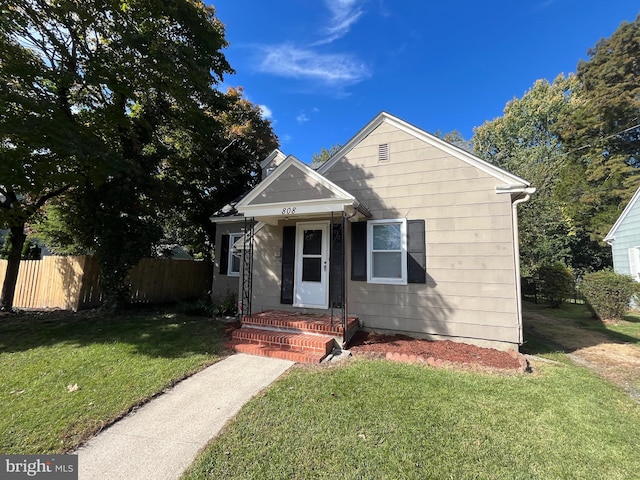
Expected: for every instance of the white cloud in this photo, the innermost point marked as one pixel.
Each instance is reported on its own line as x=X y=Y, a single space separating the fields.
x=301 y=63
x=344 y=13
x=308 y=63
x=266 y=112
x=302 y=118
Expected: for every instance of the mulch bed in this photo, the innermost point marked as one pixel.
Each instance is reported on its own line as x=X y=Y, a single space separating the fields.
x=436 y=353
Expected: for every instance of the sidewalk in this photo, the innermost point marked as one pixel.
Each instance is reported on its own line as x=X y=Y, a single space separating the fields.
x=162 y=438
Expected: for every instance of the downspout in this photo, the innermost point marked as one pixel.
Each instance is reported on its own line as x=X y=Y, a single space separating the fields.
x=516 y=248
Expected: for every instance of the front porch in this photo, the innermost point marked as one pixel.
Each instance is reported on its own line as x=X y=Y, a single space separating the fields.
x=296 y=336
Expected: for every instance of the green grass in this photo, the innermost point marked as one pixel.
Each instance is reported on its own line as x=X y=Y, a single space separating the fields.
x=630 y=326
x=384 y=420
x=117 y=362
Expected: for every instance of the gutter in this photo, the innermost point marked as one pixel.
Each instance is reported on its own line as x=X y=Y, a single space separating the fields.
x=361 y=208
x=522 y=194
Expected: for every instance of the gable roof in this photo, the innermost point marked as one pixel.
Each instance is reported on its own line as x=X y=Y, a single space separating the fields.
x=507 y=178
x=313 y=193
x=611 y=235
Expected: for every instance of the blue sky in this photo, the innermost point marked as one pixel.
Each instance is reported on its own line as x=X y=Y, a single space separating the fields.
x=321 y=69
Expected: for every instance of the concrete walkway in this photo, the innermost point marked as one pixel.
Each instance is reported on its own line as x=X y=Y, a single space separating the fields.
x=162 y=438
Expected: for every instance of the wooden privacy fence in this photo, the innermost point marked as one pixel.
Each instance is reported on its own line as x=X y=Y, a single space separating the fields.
x=72 y=283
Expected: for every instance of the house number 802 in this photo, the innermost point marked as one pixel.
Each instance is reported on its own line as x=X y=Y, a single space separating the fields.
x=289 y=210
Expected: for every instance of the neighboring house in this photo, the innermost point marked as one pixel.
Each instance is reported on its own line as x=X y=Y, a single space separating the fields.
x=624 y=238
x=411 y=234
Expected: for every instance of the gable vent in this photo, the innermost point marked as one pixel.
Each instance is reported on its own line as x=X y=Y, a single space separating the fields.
x=383 y=152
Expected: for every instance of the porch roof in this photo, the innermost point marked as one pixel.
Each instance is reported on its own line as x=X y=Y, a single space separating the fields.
x=294 y=190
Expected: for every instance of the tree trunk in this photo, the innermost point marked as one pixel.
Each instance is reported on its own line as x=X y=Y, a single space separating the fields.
x=17 y=238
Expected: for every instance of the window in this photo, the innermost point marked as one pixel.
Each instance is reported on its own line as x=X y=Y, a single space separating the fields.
x=234 y=255
x=387 y=251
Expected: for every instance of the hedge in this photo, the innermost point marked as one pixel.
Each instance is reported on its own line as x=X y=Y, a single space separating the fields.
x=609 y=293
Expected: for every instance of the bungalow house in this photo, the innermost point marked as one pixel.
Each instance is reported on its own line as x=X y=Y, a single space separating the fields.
x=398 y=232
x=624 y=238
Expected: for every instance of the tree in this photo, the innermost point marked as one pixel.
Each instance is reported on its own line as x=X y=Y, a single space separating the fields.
x=87 y=91
x=202 y=174
x=454 y=136
x=210 y=169
x=42 y=149
x=323 y=155
x=602 y=133
x=523 y=141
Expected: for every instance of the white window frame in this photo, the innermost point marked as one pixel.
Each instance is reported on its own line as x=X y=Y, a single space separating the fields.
x=403 y=252
x=634 y=263
x=233 y=238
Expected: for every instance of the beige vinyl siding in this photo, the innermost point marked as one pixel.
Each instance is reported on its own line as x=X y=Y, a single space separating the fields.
x=267 y=268
x=471 y=281
x=224 y=284
x=293 y=185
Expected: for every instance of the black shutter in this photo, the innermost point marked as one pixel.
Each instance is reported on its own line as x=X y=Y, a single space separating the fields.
x=224 y=255
x=359 y=251
x=335 y=268
x=288 y=264
x=416 y=252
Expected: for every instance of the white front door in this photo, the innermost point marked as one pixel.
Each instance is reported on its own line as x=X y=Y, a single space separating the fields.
x=312 y=265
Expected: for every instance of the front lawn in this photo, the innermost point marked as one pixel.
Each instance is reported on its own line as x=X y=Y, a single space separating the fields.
x=385 y=420
x=64 y=376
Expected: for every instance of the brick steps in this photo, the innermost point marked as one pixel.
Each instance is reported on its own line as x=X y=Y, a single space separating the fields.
x=275 y=352
x=288 y=321
x=299 y=337
x=287 y=341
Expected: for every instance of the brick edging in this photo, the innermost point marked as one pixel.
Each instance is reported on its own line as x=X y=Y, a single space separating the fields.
x=437 y=362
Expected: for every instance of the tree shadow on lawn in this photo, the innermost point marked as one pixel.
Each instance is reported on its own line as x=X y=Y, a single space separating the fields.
x=152 y=332
x=548 y=330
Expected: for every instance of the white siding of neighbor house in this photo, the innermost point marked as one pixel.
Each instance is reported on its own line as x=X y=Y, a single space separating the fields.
x=471 y=272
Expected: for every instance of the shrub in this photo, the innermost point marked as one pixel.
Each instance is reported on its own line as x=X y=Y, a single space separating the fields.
x=608 y=293
x=555 y=283
x=202 y=307
x=228 y=306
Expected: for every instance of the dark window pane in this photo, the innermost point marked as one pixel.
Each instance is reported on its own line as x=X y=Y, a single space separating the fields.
x=235 y=263
x=311 y=269
x=312 y=242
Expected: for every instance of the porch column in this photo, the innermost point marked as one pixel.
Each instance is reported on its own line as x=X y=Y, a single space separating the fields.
x=247 y=267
